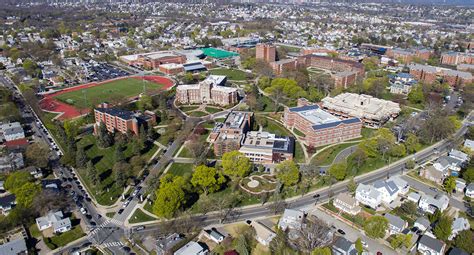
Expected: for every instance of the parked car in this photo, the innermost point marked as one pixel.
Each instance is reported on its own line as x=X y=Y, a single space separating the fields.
x=340 y=231
x=83 y=210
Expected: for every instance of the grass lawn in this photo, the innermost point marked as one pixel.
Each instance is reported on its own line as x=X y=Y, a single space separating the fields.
x=212 y=109
x=299 y=133
x=232 y=74
x=185 y=153
x=110 y=214
x=275 y=127
x=188 y=108
x=367 y=132
x=327 y=156
x=47 y=119
x=210 y=124
x=34 y=231
x=181 y=169
x=111 y=91
x=64 y=238
x=299 y=154
x=148 y=206
x=139 y=216
x=106 y=192
x=197 y=114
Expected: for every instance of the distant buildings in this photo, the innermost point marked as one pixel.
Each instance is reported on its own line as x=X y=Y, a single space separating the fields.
x=320 y=127
x=456 y=58
x=121 y=120
x=209 y=91
x=408 y=55
x=265 y=148
x=153 y=60
x=266 y=52
x=373 y=112
x=430 y=74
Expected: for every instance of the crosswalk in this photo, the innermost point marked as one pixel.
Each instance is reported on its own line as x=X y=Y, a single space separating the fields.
x=112 y=244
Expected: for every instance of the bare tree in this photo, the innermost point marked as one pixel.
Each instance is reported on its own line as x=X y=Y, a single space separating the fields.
x=312 y=234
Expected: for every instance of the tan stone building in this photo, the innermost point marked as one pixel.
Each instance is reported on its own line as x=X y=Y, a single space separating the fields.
x=209 y=91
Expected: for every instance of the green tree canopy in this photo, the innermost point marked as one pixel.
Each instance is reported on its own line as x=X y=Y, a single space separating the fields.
x=170 y=197
x=338 y=171
x=322 y=251
x=401 y=240
x=443 y=228
x=288 y=173
x=449 y=184
x=465 y=241
x=208 y=179
x=235 y=164
x=26 y=193
x=17 y=179
x=376 y=227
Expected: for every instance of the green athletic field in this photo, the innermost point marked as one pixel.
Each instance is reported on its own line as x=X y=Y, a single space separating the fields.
x=218 y=53
x=113 y=92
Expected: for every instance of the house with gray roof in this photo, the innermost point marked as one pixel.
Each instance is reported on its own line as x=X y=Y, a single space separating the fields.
x=164 y=245
x=470 y=190
x=342 y=246
x=395 y=224
x=459 y=155
x=447 y=164
x=7 y=203
x=388 y=189
x=430 y=204
x=368 y=195
x=422 y=223
x=12 y=131
x=414 y=197
x=55 y=220
x=430 y=246
x=11 y=162
x=192 y=248
x=433 y=174
x=459 y=224
x=214 y=235
x=291 y=219
x=14 y=247
x=469 y=144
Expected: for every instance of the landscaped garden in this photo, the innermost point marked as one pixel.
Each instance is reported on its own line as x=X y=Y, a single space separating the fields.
x=257 y=184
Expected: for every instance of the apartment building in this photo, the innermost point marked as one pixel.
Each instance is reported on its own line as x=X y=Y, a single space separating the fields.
x=229 y=135
x=373 y=112
x=423 y=73
x=265 y=148
x=456 y=58
x=284 y=64
x=121 y=120
x=407 y=55
x=266 y=52
x=320 y=127
x=430 y=74
x=209 y=91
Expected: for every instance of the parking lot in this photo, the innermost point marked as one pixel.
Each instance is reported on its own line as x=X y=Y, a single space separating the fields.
x=102 y=72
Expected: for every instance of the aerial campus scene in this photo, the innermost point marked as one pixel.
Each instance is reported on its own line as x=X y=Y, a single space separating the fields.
x=228 y=127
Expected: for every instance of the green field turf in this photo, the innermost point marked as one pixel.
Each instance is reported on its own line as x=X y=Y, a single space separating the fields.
x=112 y=92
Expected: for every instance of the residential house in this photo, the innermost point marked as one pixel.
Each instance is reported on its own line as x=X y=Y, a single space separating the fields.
x=448 y=165
x=214 y=235
x=291 y=219
x=388 y=189
x=7 y=203
x=457 y=251
x=164 y=245
x=395 y=224
x=346 y=203
x=470 y=190
x=402 y=185
x=430 y=204
x=12 y=131
x=56 y=220
x=14 y=247
x=264 y=235
x=12 y=161
x=469 y=144
x=422 y=223
x=460 y=185
x=414 y=197
x=430 y=246
x=459 y=155
x=368 y=195
x=51 y=184
x=192 y=248
x=459 y=224
x=342 y=246
x=433 y=174
x=401 y=83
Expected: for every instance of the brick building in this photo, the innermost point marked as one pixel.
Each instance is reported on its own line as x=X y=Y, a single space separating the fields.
x=456 y=78
x=155 y=59
x=121 y=120
x=373 y=112
x=209 y=91
x=407 y=55
x=456 y=58
x=423 y=73
x=266 y=52
x=319 y=126
x=265 y=148
x=344 y=79
x=284 y=64
x=229 y=135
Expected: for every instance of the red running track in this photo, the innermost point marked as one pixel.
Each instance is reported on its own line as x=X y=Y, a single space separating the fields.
x=49 y=103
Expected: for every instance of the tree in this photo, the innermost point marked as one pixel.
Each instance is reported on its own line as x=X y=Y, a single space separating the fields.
x=120 y=170
x=436 y=127
x=170 y=197
x=412 y=143
x=242 y=246
x=338 y=171
x=235 y=164
x=17 y=179
x=104 y=138
x=408 y=208
x=376 y=227
x=433 y=217
x=81 y=157
x=468 y=175
x=464 y=240
x=449 y=184
x=92 y=173
x=118 y=154
x=401 y=240
x=208 y=179
x=37 y=154
x=279 y=244
x=358 y=245
x=145 y=103
x=352 y=186
x=312 y=234
x=288 y=173
x=26 y=193
x=443 y=228
x=416 y=95
x=359 y=156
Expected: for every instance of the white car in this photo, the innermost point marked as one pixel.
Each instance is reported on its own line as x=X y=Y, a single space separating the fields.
x=83 y=210
x=125 y=204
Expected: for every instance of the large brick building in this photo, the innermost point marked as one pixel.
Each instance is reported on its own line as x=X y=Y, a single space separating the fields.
x=228 y=136
x=266 y=52
x=423 y=73
x=319 y=126
x=456 y=58
x=121 y=120
x=407 y=55
x=430 y=74
x=284 y=64
x=209 y=91
x=265 y=148
x=155 y=59
x=373 y=112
